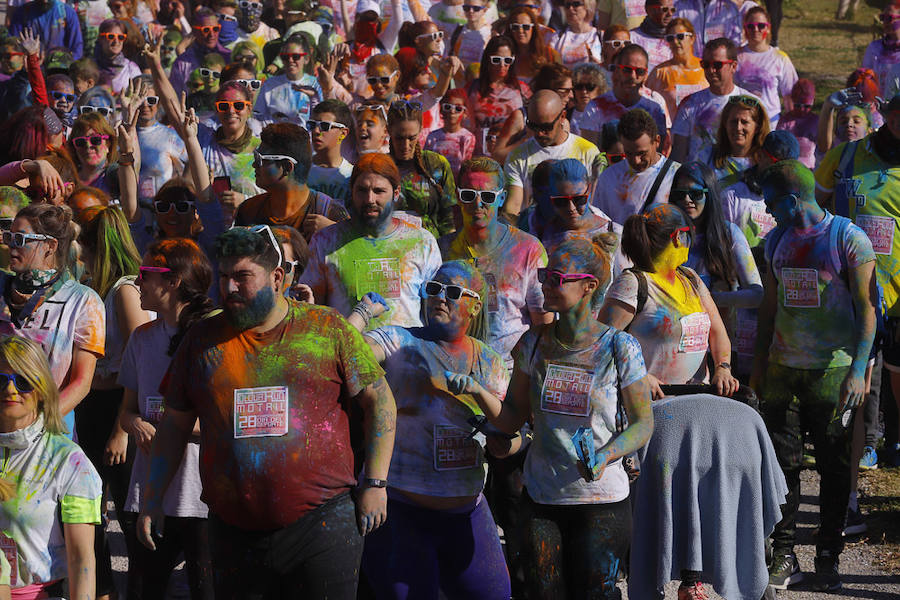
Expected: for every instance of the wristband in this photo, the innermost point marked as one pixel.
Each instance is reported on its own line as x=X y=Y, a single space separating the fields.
x=369 y=482
x=724 y=365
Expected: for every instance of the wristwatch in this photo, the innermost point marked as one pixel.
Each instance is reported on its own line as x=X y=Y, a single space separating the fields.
x=724 y=365
x=374 y=483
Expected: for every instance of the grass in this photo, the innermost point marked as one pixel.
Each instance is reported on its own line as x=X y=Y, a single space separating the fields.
x=823 y=49
x=880 y=503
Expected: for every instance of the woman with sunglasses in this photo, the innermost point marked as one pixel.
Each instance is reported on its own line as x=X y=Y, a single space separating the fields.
x=721 y=256
x=530 y=48
x=110 y=58
x=676 y=320
x=427 y=186
x=99 y=101
x=174 y=278
x=763 y=69
x=566 y=378
x=50 y=489
x=92 y=145
x=682 y=75
x=111 y=262
x=291 y=95
x=40 y=243
x=580 y=40
x=441 y=535
x=588 y=82
x=250 y=55
x=497 y=93
x=452 y=141
x=882 y=54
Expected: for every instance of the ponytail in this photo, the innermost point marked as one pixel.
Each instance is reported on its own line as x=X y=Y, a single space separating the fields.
x=197 y=308
x=646 y=235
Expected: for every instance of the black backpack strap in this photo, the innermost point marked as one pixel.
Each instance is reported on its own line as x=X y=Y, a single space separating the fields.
x=654 y=189
x=642 y=288
x=841 y=175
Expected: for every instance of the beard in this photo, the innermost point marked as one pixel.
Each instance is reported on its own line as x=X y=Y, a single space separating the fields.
x=253 y=313
x=371 y=222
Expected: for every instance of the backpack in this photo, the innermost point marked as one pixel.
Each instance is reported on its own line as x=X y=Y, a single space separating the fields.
x=643 y=292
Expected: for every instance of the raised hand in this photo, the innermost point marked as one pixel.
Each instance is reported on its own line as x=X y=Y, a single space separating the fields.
x=30 y=42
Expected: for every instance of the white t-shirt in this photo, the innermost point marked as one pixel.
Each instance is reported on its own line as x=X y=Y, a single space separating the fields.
x=674 y=337
x=658 y=50
x=55 y=484
x=510 y=272
x=163 y=156
x=698 y=119
x=770 y=75
x=469 y=43
x=111 y=360
x=283 y=101
x=523 y=160
x=344 y=266
x=456 y=147
x=223 y=162
x=571 y=46
x=144 y=365
x=433 y=453
x=569 y=390
x=333 y=182
x=620 y=192
x=607 y=107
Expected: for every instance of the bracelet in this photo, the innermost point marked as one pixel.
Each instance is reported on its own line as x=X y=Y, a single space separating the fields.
x=724 y=365
x=364 y=312
x=370 y=482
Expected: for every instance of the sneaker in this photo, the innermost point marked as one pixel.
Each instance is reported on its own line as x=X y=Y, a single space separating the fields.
x=855 y=524
x=827 y=577
x=692 y=592
x=869 y=459
x=785 y=571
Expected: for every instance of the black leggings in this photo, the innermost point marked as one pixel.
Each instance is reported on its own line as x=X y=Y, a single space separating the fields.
x=149 y=570
x=95 y=417
x=575 y=551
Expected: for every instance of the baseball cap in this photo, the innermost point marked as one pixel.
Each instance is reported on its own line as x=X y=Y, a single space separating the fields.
x=368 y=5
x=782 y=145
x=58 y=61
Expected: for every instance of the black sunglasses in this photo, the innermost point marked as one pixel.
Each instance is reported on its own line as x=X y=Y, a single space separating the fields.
x=544 y=127
x=182 y=207
x=696 y=195
x=578 y=200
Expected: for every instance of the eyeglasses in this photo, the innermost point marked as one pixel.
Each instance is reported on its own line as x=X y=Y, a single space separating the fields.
x=742 y=99
x=292 y=56
x=502 y=60
x=63 y=96
x=18 y=239
x=578 y=200
x=84 y=140
x=22 y=385
x=756 y=26
x=250 y=84
x=617 y=43
x=671 y=37
x=521 y=26
x=449 y=107
x=888 y=18
x=572 y=5
x=151 y=100
x=207 y=29
x=636 y=71
x=258 y=158
x=564 y=91
x=204 y=72
x=544 y=127
x=681 y=195
x=613 y=158
x=374 y=108
x=236 y=105
x=114 y=37
x=434 y=35
x=142 y=271
x=450 y=291
x=557 y=278
x=467 y=196
x=677 y=233
x=716 y=65
x=182 y=207
x=265 y=229
x=584 y=87
x=323 y=126
x=245 y=4
x=472 y=8
x=103 y=110
x=381 y=80
x=9 y=55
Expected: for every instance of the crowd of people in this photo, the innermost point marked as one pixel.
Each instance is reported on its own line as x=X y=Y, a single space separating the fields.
x=468 y=299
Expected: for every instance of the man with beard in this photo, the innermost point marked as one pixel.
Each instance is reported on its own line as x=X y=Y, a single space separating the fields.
x=276 y=385
x=374 y=251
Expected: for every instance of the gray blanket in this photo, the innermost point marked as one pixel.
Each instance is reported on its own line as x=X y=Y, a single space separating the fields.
x=708 y=496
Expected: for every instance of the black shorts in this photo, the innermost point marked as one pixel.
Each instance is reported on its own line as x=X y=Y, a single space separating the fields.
x=890 y=344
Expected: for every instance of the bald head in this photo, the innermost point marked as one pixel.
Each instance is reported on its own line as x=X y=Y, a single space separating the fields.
x=544 y=106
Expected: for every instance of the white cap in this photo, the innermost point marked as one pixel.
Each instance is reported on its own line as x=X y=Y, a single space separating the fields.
x=367 y=5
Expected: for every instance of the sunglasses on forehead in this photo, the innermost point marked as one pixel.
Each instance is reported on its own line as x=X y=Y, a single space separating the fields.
x=742 y=99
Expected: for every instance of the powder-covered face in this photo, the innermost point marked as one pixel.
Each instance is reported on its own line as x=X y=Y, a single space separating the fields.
x=452 y=317
x=563 y=198
x=851 y=124
x=478 y=214
x=568 y=258
x=373 y=200
x=248 y=292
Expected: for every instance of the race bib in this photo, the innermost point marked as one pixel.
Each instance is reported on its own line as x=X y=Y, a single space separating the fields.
x=713 y=32
x=635 y=8
x=880 y=231
x=694 y=333
x=745 y=335
x=454 y=449
x=155 y=409
x=763 y=220
x=801 y=287
x=260 y=412
x=567 y=390
x=381 y=275
x=8 y=546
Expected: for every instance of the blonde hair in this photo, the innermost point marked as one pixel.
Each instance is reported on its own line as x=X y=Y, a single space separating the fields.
x=28 y=360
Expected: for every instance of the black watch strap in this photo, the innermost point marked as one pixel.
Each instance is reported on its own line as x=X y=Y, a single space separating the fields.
x=374 y=483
